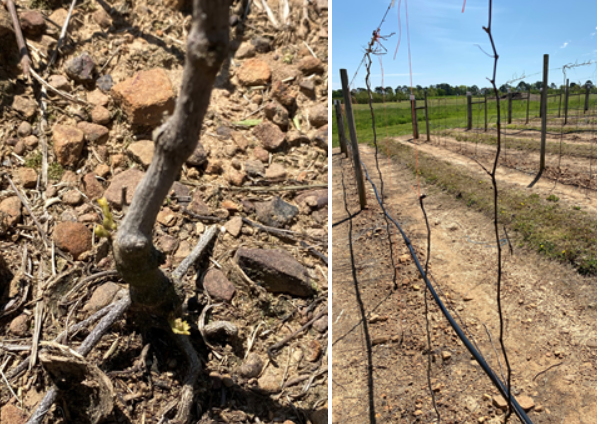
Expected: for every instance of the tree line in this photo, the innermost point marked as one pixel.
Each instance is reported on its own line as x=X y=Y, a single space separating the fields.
x=402 y=92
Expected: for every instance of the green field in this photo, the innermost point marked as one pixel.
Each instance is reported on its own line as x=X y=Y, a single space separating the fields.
x=394 y=119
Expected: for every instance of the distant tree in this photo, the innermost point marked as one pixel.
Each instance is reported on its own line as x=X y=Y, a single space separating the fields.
x=553 y=86
x=523 y=86
x=379 y=90
x=474 y=89
x=389 y=90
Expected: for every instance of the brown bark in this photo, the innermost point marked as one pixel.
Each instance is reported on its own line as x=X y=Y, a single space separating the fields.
x=137 y=260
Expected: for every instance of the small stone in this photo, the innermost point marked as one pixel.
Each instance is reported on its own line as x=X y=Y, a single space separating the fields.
x=446 y=355
x=230 y=151
x=72 y=198
x=102 y=18
x=97 y=134
x=261 y=44
x=93 y=188
x=318 y=115
x=59 y=82
x=234 y=226
x=27 y=177
x=245 y=51
x=269 y=382
x=320 y=138
x=59 y=16
x=32 y=23
x=234 y=177
x=73 y=237
x=276 y=212
x=270 y=135
x=526 y=402
x=167 y=217
x=254 y=168
x=261 y=154
x=254 y=72
x=282 y=93
x=68 y=216
x=500 y=402
x=68 y=144
x=146 y=96
x=222 y=213
x=321 y=325
x=19 y=326
x=105 y=83
x=322 y=4
x=313 y=351
x=96 y=97
x=223 y=132
x=69 y=178
x=100 y=115
x=167 y=243
x=198 y=157
x=10 y=213
x=296 y=138
x=25 y=106
x=418 y=413
x=311 y=65
x=183 y=251
x=128 y=179
x=275 y=172
x=20 y=148
x=142 y=152
x=30 y=142
x=275 y=270
x=278 y=114
x=11 y=414
x=118 y=161
x=101 y=297
x=198 y=206
x=80 y=68
x=252 y=366
x=214 y=167
x=218 y=286
x=319 y=417
x=24 y=129
x=308 y=88
x=240 y=140
x=230 y=206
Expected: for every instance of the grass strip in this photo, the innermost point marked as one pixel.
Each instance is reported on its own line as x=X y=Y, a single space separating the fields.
x=563 y=233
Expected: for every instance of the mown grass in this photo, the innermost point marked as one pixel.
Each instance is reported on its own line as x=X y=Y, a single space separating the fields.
x=525 y=144
x=394 y=119
x=564 y=233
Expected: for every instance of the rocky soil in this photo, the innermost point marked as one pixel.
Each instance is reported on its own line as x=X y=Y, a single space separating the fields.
x=259 y=173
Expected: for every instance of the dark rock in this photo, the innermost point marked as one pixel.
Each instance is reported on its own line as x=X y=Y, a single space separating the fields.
x=278 y=114
x=261 y=44
x=102 y=296
x=198 y=157
x=218 y=286
x=308 y=88
x=276 y=212
x=198 y=206
x=320 y=138
x=105 y=82
x=275 y=270
x=224 y=132
x=282 y=93
x=80 y=68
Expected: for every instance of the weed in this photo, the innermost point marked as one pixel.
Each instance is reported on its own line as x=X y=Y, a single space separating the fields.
x=55 y=171
x=33 y=160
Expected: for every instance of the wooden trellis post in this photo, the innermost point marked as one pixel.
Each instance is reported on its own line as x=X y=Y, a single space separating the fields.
x=427 y=117
x=528 y=105
x=485 y=110
x=509 y=106
x=544 y=112
x=469 y=111
x=353 y=139
x=587 y=98
x=340 y=122
x=413 y=105
x=566 y=98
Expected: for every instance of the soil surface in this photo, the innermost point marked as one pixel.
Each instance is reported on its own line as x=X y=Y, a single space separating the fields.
x=379 y=336
x=259 y=175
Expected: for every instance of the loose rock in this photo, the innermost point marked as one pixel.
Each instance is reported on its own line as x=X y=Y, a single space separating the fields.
x=73 y=237
x=218 y=286
x=234 y=226
x=276 y=212
x=254 y=72
x=102 y=296
x=59 y=82
x=72 y=198
x=27 y=177
x=10 y=213
x=32 y=23
x=97 y=98
x=68 y=144
x=234 y=177
x=318 y=115
x=146 y=96
x=100 y=115
x=25 y=106
x=24 y=129
x=80 y=68
x=275 y=270
x=275 y=172
x=198 y=157
x=255 y=168
x=94 y=133
x=270 y=135
x=142 y=152
x=252 y=366
x=128 y=179
x=20 y=325
x=311 y=65
x=93 y=188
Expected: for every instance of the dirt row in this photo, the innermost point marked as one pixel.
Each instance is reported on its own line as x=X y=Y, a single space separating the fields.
x=379 y=338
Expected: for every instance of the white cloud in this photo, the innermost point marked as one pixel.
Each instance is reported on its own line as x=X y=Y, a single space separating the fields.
x=563 y=46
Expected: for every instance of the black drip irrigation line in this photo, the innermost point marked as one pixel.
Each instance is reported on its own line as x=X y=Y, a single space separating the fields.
x=478 y=357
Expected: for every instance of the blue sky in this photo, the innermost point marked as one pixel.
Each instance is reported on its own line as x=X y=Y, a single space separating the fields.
x=444 y=40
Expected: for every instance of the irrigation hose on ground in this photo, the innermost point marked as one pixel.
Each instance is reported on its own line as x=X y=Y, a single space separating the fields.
x=476 y=354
